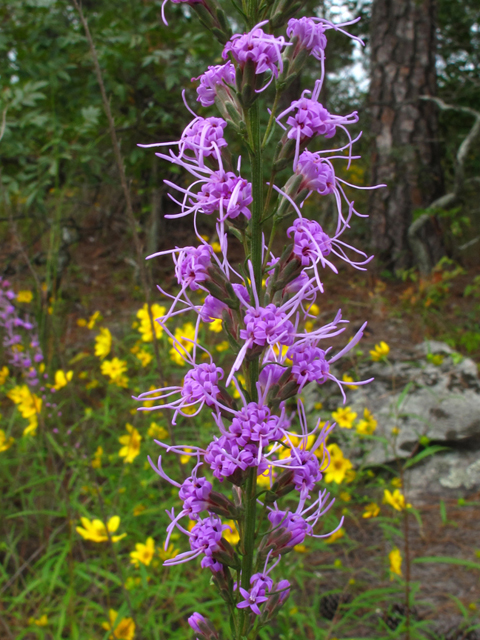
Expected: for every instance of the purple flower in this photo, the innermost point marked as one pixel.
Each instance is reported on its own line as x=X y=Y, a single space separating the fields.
x=212 y=309
x=252 y=599
x=204 y=136
x=263 y=49
x=225 y=457
x=194 y=620
x=227 y=193
x=267 y=326
x=206 y=535
x=310 y=242
x=317 y=172
x=311 y=35
x=191 y=265
x=292 y=524
x=217 y=75
x=201 y=384
x=306 y=471
x=254 y=424
x=309 y=364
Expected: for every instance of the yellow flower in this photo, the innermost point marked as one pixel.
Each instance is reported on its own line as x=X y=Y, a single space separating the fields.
x=335 y=536
x=395 y=558
x=40 y=622
x=231 y=536
x=397 y=482
x=97 y=458
x=27 y=402
x=103 y=343
x=171 y=552
x=371 y=510
x=380 y=351
x=184 y=337
x=143 y=553
x=81 y=322
x=314 y=309
x=145 y=326
x=216 y=325
x=4 y=443
x=156 y=431
x=309 y=326
x=4 y=373
x=346 y=497
x=300 y=548
x=368 y=425
x=348 y=378
x=344 y=417
x=318 y=405
x=243 y=383
x=31 y=429
x=114 y=369
x=395 y=431
x=186 y=458
x=140 y=508
x=123 y=630
x=263 y=480
x=216 y=247
x=338 y=467
x=144 y=357
x=95 y=530
x=24 y=296
x=131 y=442
x=93 y=319
x=395 y=499
x=62 y=379
x=222 y=346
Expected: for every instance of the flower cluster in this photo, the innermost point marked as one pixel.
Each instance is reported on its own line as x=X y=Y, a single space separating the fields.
x=264 y=448
x=20 y=341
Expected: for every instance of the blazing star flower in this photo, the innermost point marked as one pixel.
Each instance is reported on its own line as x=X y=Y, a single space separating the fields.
x=191 y=266
x=263 y=49
x=220 y=74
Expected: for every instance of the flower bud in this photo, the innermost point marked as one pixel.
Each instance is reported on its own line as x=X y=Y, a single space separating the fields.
x=222 y=506
x=203 y=626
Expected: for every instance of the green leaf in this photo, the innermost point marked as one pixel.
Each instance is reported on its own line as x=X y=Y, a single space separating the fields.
x=446 y=560
x=429 y=451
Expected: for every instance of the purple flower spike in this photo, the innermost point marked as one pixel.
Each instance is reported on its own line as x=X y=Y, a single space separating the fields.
x=191 y=266
x=217 y=75
x=204 y=136
x=267 y=326
x=194 y=620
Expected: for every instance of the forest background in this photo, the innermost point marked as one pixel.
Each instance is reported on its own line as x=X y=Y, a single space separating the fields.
x=70 y=246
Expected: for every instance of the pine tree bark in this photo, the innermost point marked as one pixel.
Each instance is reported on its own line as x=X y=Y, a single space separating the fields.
x=405 y=129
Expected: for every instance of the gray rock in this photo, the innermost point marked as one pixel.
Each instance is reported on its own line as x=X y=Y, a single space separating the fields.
x=445 y=474
x=440 y=402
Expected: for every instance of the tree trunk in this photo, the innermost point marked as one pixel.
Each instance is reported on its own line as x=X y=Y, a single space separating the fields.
x=405 y=130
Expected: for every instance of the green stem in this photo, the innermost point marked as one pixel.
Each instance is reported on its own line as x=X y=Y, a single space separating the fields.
x=257 y=194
